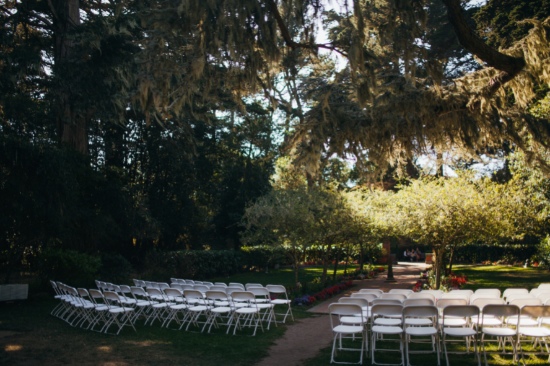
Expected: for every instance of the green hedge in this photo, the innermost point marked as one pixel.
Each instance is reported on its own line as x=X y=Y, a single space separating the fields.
x=507 y=253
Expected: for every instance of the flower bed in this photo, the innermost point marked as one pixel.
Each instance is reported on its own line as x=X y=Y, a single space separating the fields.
x=323 y=294
x=451 y=282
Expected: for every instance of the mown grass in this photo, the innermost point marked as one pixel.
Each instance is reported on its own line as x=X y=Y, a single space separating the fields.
x=500 y=277
x=30 y=336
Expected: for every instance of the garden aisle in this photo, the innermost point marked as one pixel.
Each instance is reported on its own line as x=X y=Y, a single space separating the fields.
x=306 y=337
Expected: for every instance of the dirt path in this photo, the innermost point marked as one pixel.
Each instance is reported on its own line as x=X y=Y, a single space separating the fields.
x=306 y=337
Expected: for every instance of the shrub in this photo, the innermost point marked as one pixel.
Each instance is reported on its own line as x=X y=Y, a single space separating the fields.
x=70 y=266
x=115 y=268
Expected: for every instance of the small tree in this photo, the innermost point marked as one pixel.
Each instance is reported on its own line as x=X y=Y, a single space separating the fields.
x=446 y=212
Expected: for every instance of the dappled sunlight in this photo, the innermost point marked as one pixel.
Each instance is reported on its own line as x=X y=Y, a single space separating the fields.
x=147 y=343
x=106 y=349
x=13 y=347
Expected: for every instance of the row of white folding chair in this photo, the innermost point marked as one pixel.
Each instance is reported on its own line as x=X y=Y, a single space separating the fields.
x=79 y=308
x=192 y=304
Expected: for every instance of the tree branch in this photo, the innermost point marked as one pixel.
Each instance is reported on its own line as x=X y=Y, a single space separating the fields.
x=288 y=38
x=508 y=66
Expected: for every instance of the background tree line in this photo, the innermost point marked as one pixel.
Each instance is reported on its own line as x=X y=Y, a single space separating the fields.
x=131 y=126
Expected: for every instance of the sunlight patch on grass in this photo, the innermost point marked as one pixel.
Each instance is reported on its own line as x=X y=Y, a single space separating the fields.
x=13 y=347
x=106 y=349
x=147 y=343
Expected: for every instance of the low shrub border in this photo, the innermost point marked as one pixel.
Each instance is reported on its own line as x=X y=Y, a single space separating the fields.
x=306 y=300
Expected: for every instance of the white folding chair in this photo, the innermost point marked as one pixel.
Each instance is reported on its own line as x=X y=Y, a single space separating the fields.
x=198 y=306
x=280 y=299
x=220 y=309
x=383 y=320
x=414 y=329
x=502 y=334
x=118 y=313
x=405 y=292
x=468 y=332
x=514 y=291
x=246 y=313
x=537 y=334
x=345 y=331
x=263 y=301
x=177 y=306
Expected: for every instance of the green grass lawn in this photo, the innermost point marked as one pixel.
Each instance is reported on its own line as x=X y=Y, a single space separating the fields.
x=29 y=335
x=502 y=277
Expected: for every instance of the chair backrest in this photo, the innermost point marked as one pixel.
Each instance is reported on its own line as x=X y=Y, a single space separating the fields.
x=201 y=288
x=243 y=296
x=524 y=302
x=543 y=296
x=236 y=284
x=544 y=286
x=514 y=290
x=422 y=295
x=458 y=294
x=371 y=291
x=173 y=292
x=482 y=302
x=216 y=295
x=339 y=310
x=418 y=302
x=363 y=303
x=220 y=284
x=405 y=292
x=152 y=291
x=516 y=296
x=111 y=297
x=501 y=311
x=276 y=289
x=379 y=301
x=179 y=286
x=191 y=295
x=421 y=311
x=388 y=310
x=462 y=311
x=251 y=285
x=259 y=292
x=400 y=297
x=487 y=292
x=535 y=311
x=138 y=292
x=369 y=297
x=217 y=288
x=443 y=303
x=96 y=295
x=437 y=293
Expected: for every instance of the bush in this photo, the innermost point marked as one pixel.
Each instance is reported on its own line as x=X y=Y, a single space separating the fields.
x=69 y=266
x=115 y=268
x=192 y=264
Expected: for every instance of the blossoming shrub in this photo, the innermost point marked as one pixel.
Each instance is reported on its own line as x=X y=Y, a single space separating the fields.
x=323 y=294
x=427 y=281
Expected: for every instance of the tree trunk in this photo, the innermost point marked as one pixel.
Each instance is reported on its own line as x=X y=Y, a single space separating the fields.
x=451 y=256
x=72 y=124
x=438 y=265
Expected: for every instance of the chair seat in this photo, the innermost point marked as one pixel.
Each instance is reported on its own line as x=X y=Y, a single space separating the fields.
x=421 y=331
x=418 y=321
x=387 y=322
x=499 y=332
x=459 y=332
x=381 y=329
x=534 y=331
x=347 y=329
